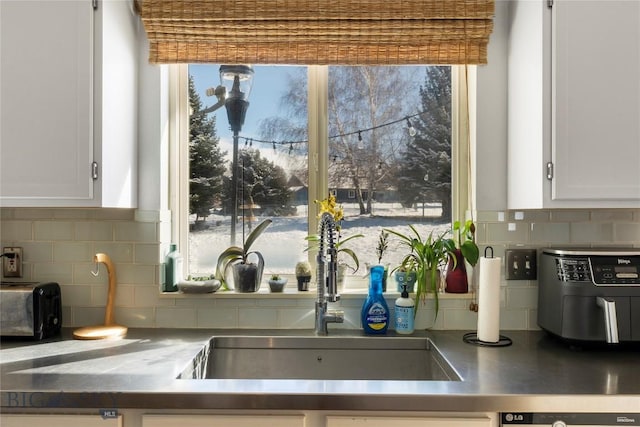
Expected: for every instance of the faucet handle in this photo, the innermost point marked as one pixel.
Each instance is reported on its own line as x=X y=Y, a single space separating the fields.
x=335 y=316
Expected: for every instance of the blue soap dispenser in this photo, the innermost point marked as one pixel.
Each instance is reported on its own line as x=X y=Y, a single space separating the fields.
x=375 y=312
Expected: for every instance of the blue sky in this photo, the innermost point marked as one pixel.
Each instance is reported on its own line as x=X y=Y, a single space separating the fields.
x=268 y=85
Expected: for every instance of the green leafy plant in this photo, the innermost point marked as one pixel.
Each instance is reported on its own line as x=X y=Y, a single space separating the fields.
x=426 y=256
x=468 y=246
x=235 y=254
x=383 y=244
x=314 y=241
x=276 y=277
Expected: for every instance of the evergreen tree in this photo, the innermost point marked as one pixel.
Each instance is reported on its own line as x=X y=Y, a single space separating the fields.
x=206 y=160
x=262 y=183
x=426 y=174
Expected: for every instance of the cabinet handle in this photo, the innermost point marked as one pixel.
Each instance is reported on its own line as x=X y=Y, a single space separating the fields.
x=94 y=170
x=549 y=171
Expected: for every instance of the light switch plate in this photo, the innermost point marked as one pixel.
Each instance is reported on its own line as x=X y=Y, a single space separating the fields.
x=521 y=264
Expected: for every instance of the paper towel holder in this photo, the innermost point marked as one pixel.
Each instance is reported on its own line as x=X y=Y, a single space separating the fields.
x=472 y=337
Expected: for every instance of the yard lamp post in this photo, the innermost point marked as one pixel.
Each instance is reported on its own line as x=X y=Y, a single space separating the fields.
x=240 y=78
x=233 y=93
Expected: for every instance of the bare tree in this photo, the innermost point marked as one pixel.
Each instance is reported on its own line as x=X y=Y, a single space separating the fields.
x=364 y=150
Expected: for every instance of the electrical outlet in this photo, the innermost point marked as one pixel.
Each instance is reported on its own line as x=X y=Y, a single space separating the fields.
x=12 y=262
x=521 y=264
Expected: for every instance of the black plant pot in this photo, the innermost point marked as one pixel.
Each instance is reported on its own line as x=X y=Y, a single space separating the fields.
x=247 y=277
x=303 y=283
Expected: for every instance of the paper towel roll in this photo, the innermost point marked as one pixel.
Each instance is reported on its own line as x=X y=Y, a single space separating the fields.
x=489 y=300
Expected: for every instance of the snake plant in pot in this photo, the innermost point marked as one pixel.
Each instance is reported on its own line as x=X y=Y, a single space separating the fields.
x=427 y=256
x=246 y=275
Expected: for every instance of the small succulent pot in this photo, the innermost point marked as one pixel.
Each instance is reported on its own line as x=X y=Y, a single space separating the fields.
x=303 y=274
x=303 y=283
x=277 y=284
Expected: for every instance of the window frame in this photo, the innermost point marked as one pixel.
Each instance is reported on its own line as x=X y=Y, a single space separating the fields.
x=463 y=84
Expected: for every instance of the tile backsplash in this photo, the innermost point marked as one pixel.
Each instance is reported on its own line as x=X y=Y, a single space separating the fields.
x=59 y=245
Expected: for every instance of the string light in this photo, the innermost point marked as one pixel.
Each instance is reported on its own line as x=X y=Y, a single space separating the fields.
x=412 y=130
x=360 y=145
x=360 y=142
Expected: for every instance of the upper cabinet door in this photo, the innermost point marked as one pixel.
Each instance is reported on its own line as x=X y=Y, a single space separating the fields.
x=596 y=100
x=46 y=102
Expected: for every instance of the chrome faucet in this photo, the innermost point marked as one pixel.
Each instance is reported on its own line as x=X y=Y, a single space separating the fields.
x=327 y=283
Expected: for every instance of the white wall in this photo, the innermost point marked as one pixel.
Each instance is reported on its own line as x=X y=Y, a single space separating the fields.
x=491 y=118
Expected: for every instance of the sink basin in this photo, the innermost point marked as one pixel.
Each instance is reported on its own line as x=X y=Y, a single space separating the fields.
x=321 y=358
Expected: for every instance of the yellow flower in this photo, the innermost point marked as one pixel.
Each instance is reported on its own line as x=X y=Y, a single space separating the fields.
x=329 y=205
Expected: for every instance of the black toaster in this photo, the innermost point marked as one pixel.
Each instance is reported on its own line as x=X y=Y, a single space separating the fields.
x=30 y=310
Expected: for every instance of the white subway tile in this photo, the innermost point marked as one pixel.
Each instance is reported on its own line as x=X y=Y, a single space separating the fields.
x=544 y=233
x=73 y=251
x=591 y=232
x=86 y=316
x=521 y=297
x=53 y=230
x=612 y=215
x=136 y=274
x=59 y=272
x=76 y=295
x=125 y=296
x=149 y=296
x=93 y=230
x=459 y=319
x=14 y=231
x=135 y=317
x=147 y=253
x=562 y=215
x=136 y=232
x=37 y=251
x=513 y=320
x=258 y=318
x=113 y=214
x=71 y=213
x=627 y=232
x=119 y=252
x=172 y=317
x=500 y=233
x=218 y=318
x=297 y=318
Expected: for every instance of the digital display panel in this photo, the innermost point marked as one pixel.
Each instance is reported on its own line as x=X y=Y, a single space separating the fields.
x=625 y=269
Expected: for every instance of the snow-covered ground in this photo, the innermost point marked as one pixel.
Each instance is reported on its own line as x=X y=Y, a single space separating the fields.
x=283 y=243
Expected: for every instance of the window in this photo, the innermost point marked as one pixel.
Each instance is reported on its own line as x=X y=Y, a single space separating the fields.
x=386 y=157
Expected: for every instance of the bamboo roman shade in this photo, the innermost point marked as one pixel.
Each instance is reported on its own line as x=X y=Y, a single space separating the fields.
x=318 y=32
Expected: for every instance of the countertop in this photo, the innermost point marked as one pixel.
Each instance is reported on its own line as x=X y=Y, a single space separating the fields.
x=536 y=373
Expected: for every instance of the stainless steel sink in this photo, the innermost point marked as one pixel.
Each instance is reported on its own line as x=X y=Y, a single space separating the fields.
x=320 y=358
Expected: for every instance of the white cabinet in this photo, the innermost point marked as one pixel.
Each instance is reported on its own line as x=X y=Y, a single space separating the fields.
x=186 y=420
x=574 y=104
x=68 y=103
x=50 y=420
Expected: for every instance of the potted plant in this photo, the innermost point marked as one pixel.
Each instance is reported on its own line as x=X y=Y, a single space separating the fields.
x=303 y=275
x=406 y=274
x=277 y=283
x=427 y=255
x=381 y=247
x=465 y=250
x=246 y=275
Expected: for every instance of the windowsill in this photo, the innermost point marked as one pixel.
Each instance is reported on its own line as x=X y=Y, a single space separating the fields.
x=292 y=292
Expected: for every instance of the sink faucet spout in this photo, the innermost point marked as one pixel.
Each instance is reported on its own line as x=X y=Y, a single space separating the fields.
x=327 y=283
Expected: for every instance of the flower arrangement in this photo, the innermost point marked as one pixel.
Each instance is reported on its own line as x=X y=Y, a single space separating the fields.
x=331 y=206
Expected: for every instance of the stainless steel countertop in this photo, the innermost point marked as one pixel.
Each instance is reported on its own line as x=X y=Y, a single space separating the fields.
x=536 y=373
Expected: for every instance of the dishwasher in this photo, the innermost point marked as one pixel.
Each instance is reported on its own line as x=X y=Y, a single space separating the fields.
x=557 y=419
